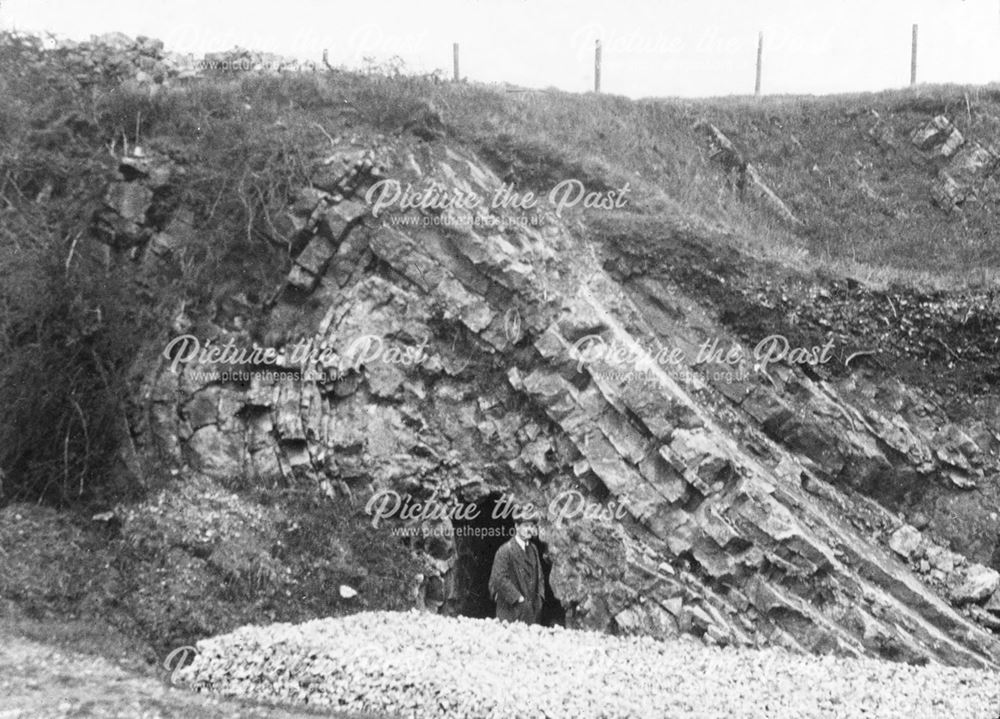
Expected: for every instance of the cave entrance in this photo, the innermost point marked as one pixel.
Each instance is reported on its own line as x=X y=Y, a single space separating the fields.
x=476 y=543
x=553 y=613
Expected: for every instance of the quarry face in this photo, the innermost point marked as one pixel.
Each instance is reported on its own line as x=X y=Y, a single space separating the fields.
x=345 y=349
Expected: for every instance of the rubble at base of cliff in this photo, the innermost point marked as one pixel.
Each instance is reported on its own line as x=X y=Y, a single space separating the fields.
x=433 y=666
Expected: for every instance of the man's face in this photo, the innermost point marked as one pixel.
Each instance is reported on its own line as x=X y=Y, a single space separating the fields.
x=526 y=531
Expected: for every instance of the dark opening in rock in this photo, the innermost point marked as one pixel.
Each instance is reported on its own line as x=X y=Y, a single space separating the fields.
x=477 y=542
x=552 y=610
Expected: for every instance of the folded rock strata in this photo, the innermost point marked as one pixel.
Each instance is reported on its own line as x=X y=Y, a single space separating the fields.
x=446 y=359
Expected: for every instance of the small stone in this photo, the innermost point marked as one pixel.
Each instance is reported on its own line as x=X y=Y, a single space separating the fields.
x=302 y=279
x=905 y=541
x=941 y=559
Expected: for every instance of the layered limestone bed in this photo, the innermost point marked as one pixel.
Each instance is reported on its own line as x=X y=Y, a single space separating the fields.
x=456 y=355
x=431 y=666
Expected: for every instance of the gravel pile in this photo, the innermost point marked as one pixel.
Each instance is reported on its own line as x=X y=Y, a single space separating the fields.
x=424 y=665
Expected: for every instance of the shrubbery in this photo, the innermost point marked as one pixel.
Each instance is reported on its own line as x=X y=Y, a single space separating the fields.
x=67 y=330
x=73 y=313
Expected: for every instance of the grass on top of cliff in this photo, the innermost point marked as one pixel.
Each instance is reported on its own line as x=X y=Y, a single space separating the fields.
x=865 y=206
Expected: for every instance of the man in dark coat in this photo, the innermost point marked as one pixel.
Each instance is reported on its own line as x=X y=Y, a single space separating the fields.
x=516 y=582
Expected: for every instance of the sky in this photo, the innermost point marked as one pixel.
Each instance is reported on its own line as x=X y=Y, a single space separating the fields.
x=686 y=48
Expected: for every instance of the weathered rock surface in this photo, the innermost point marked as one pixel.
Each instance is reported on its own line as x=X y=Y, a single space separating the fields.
x=977 y=584
x=968 y=173
x=905 y=541
x=938 y=136
x=455 y=354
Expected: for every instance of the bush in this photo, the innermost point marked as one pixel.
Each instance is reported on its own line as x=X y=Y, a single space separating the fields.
x=74 y=316
x=67 y=330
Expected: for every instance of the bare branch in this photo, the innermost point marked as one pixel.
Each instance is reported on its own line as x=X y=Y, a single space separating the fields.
x=72 y=248
x=323 y=130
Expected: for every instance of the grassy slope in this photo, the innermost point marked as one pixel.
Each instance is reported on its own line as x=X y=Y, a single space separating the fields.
x=814 y=152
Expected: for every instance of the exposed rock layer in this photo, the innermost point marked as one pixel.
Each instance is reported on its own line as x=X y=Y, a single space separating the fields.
x=483 y=372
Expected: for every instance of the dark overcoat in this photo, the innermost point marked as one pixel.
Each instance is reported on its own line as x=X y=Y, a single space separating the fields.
x=517 y=573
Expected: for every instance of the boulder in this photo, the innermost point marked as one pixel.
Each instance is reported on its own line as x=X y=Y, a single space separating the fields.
x=972 y=163
x=975 y=584
x=315 y=256
x=938 y=136
x=302 y=279
x=941 y=559
x=905 y=541
x=948 y=194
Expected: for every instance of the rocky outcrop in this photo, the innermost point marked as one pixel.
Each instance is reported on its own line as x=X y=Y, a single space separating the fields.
x=141 y=62
x=938 y=136
x=967 y=173
x=454 y=354
x=723 y=151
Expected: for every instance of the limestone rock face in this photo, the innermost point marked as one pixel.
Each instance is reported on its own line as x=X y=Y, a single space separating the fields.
x=455 y=354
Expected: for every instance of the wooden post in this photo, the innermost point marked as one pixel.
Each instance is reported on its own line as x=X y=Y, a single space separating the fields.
x=760 y=58
x=454 y=53
x=913 y=57
x=597 y=66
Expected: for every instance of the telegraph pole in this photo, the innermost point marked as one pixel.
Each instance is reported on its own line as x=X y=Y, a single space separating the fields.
x=760 y=59
x=597 y=66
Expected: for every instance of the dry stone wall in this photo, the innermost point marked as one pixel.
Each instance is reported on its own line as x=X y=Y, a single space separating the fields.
x=142 y=62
